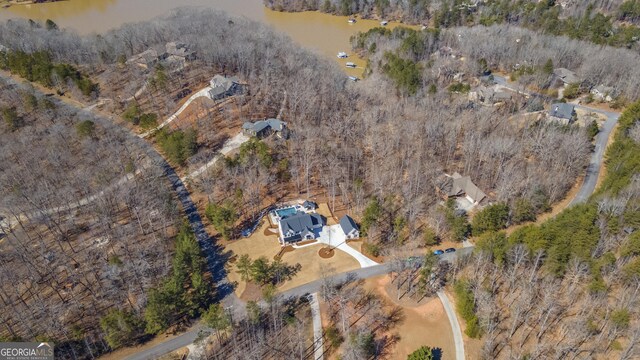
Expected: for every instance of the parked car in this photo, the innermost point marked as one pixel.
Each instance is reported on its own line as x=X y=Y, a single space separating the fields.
x=438 y=252
x=450 y=250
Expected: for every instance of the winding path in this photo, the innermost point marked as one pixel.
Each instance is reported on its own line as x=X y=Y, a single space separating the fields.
x=600 y=142
x=587 y=188
x=202 y=93
x=211 y=251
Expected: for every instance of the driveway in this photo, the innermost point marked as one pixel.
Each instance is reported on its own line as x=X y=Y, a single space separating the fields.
x=600 y=143
x=334 y=237
x=597 y=158
x=230 y=145
x=455 y=325
x=318 y=346
x=201 y=93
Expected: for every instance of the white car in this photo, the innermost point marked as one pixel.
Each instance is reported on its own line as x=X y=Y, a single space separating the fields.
x=342 y=55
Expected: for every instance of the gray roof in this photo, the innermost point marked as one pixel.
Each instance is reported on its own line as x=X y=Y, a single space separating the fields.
x=458 y=185
x=502 y=95
x=309 y=204
x=300 y=222
x=178 y=49
x=258 y=126
x=566 y=75
x=146 y=57
x=347 y=224
x=225 y=83
x=562 y=110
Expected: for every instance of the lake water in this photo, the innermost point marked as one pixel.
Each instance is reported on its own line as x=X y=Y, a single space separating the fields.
x=323 y=33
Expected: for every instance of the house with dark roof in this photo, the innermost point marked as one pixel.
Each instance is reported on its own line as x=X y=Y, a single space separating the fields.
x=458 y=186
x=264 y=128
x=563 y=113
x=222 y=87
x=300 y=226
x=349 y=227
x=309 y=205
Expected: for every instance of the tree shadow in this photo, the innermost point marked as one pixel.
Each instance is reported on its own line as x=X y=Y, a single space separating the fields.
x=437 y=353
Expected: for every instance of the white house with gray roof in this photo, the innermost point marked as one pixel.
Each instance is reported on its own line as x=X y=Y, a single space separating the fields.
x=299 y=227
x=349 y=227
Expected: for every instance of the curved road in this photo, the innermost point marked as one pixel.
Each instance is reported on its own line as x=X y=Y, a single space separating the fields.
x=211 y=251
x=588 y=187
x=600 y=142
x=305 y=290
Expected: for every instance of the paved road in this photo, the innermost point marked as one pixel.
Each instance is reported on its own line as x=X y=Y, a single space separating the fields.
x=302 y=290
x=600 y=142
x=455 y=325
x=211 y=251
x=597 y=158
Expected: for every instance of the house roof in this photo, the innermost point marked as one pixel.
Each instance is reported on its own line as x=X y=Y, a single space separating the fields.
x=502 y=95
x=562 y=110
x=258 y=126
x=224 y=82
x=147 y=56
x=566 y=75
x=310 y=204
x=347 y=224
x=600 y=88
x=458 y=185
x=300 y=222
x=178 y=49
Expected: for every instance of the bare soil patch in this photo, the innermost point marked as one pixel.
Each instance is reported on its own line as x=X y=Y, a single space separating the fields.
x=252 y=292
x=285 y=249
x=326 y=253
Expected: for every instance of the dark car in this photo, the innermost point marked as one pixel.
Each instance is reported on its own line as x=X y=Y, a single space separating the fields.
x=438 y=252
x=450 y=250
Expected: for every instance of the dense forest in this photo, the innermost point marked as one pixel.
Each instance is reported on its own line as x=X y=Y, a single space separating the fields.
x=580 y=267
x=610 y=22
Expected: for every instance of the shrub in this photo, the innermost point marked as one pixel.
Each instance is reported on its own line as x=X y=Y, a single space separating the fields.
x=178 y=145
x=423 y=353
x=492 y=218
x=86 y=128
x=465 y=304
x=121 y=328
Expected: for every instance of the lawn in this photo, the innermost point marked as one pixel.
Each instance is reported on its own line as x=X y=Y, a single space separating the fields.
x=265 y=243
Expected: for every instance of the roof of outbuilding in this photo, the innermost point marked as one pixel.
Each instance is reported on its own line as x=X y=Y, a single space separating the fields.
x=347 y=224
